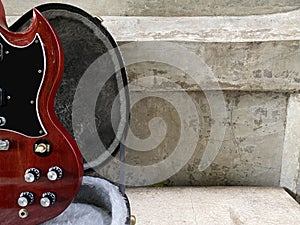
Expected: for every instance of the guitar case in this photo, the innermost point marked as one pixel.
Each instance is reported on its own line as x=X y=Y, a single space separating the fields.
x=87 y=85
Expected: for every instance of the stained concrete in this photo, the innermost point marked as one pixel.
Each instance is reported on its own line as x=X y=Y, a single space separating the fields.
x=279 y=26
x=250 y=153
x=166 y=7
x=213 y=206
x=248 y=66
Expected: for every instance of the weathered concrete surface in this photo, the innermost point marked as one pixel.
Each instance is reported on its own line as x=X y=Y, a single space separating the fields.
x=274 y=27
x=213 y=206
x=251 y=150
x=249 y=66
x=165 y=7
x=290 y=172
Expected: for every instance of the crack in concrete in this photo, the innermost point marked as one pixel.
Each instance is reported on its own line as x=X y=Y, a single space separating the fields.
x=234 y=139
x=194 y=212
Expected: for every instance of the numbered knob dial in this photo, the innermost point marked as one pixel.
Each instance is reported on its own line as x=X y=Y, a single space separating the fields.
x=25 y=199
x=55 y=173
x=48 y=199
x=32 y=175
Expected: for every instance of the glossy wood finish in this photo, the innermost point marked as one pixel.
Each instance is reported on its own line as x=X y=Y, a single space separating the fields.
x=20 y=156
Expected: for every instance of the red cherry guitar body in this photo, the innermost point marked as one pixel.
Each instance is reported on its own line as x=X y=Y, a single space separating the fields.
x=40 y=164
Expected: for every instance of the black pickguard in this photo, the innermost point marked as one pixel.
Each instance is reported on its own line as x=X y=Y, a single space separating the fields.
x=21 y=75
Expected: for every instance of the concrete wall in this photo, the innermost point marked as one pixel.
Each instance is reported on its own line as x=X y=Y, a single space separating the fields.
x=251 y=150
x=254 y=59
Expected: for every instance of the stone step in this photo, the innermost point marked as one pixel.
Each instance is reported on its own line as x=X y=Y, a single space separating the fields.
x=250 y=53
x=213 y=206
x=165 y=7
x=253 y=28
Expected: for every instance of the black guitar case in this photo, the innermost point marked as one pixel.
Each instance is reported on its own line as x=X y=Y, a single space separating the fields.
x=90 y=90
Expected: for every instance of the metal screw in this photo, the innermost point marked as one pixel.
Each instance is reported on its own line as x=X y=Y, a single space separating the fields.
x=32 y=102
x=6 y=52
x=132 y=220
x=40 y=71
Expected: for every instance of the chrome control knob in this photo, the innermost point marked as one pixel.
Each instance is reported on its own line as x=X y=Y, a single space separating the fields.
x=55 y=173
x=48 y=199
x=25 y=199
x=32 y=175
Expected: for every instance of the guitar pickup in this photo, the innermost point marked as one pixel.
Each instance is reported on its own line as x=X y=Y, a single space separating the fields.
x=4 y=145
x=1 y=52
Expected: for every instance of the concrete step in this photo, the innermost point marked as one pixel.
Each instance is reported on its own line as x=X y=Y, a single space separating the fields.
x=166 y=7
x=214 y=206
x=250 y=53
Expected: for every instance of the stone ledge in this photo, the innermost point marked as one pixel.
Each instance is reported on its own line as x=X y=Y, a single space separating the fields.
x=251 y=53
x=213 y=205
x=247 y=66
x=243 y=53
x=255 y=28
x=165 y=7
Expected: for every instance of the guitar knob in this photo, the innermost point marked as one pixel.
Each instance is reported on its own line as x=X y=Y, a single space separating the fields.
x=48 y=199
x=32 y=175
x=25 y=199
x=55 y=173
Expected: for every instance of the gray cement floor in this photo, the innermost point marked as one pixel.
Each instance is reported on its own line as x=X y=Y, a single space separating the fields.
x=213 y=205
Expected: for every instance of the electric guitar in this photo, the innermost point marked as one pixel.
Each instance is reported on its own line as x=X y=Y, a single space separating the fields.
x=40 y=164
